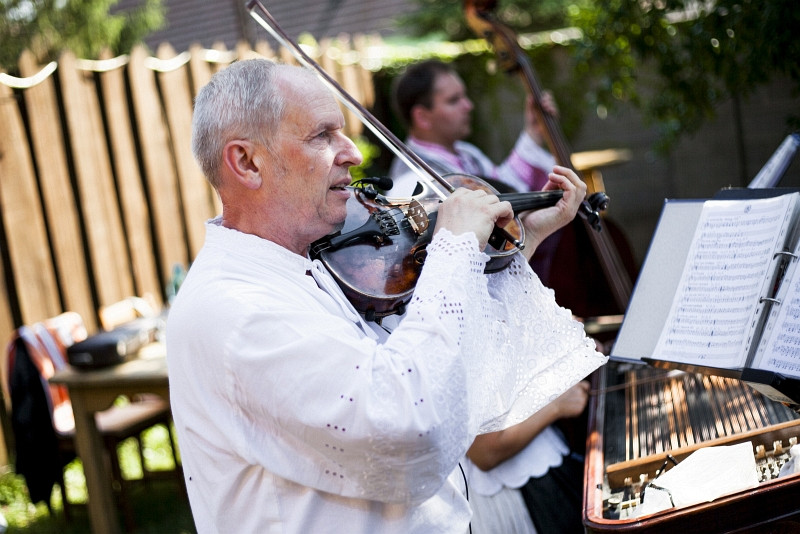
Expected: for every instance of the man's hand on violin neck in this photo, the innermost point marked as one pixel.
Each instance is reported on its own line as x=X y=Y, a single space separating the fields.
x=541 y=223
x=467 y=210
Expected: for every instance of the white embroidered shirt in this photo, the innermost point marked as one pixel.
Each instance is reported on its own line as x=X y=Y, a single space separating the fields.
x=295 y=415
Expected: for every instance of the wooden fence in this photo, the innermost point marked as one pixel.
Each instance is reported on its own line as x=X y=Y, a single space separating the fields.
x=100 y=197
x=99 y=192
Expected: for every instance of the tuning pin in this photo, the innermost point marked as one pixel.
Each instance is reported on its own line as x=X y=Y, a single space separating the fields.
x=626 y=495
x=613 y=508
x=637 y=488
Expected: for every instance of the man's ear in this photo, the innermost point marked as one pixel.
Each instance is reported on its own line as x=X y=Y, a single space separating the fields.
x=421 y=117
x=239 y=157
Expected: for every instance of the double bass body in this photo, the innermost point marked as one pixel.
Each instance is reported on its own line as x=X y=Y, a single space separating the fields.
x=606 y=294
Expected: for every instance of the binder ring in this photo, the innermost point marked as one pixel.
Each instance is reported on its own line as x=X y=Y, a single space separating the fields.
x=784 y=253
x=769 y=299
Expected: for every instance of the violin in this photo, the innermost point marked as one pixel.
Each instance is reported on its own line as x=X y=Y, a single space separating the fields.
x=378 y=255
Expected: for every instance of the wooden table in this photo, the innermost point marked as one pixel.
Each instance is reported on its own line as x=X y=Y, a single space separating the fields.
x=94 y=391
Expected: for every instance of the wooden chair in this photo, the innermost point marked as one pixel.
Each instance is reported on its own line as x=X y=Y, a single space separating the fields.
x=126 y=310
x=117 y=314
x=42 y=417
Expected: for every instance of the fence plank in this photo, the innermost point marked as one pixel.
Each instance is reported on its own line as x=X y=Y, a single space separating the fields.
x=199 y=68
x=95 y=210
x=159 y=166
x=130 y=187
x=264 y=49
x=285 y=56
x=350 y=82
x=196 y=194
x=63 y=220
x=97 y=194
x=361 y=43
x=325 y=59
x=6 y=316
x=23 y=220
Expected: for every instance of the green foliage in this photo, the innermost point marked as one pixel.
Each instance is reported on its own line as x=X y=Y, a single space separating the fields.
x=676 y=60
x=159 y=506
x=86 y=27
x=703 y=53
x=369 y=151
x=445 y=18
x=12 y=486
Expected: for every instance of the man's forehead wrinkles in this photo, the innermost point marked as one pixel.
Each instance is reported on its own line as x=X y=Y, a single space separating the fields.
x=330 y=124
x=330 y=120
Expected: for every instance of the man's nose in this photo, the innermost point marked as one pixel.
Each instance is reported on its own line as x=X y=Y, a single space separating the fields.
x=349 y=154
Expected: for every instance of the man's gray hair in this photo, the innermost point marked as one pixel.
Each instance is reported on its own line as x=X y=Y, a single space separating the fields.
x=242 y=101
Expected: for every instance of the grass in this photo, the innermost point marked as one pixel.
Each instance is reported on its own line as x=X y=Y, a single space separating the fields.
x=159 y=506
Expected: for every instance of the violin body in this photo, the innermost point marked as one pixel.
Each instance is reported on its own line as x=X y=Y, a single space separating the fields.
x=376 y=271
x=378 y=255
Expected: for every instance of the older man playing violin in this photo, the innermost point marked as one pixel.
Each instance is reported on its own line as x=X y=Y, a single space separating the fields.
x=294 y=414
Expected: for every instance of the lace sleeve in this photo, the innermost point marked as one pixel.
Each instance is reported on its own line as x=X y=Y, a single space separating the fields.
x=521 y=349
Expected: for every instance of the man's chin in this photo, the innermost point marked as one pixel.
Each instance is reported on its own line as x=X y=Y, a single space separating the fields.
x=337 y=227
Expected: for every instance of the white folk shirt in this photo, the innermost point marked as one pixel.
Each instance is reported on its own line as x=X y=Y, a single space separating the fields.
x=525 y=168
x=294 y=415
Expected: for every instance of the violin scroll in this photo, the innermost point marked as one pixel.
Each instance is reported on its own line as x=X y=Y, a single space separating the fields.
x=591 y=208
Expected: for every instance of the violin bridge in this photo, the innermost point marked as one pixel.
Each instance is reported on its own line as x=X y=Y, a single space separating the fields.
x=417 y=217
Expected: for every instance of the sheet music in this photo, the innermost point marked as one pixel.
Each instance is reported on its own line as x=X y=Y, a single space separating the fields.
x=729 y=267
x=658 y=280
x=780 y=349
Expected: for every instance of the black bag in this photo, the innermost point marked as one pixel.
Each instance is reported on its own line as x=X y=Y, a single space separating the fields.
x=115 y=346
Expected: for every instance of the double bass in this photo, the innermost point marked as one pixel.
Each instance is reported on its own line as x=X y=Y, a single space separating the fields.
x=575 y=250
x=586 y=291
